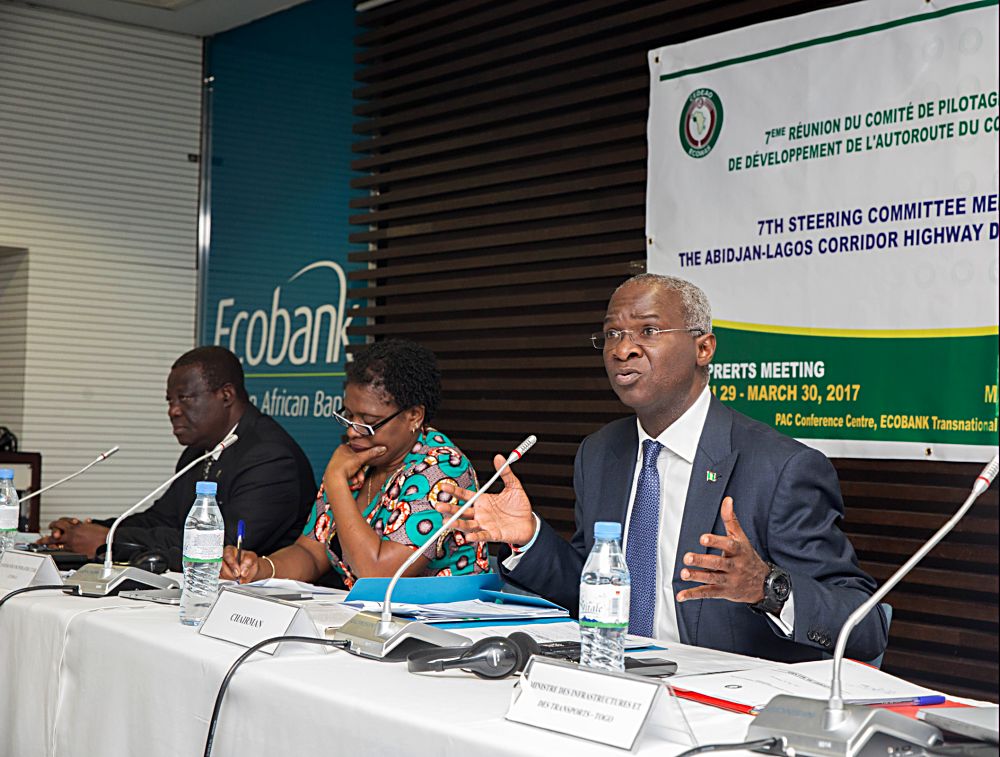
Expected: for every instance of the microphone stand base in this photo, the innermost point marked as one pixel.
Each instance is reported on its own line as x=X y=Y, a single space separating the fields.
x=863 y=731
x=94 y=580
x=367 y=636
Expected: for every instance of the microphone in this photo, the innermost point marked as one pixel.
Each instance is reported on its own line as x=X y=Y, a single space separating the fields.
x=84 y=469
x=377 y=636
x=95 y=580
x=836 y=729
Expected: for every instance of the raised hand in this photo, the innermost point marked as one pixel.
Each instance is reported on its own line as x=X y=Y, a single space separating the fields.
x=504 y=517
x=737 y=574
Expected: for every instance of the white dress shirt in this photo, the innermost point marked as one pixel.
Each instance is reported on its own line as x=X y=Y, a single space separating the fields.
x=673 y=466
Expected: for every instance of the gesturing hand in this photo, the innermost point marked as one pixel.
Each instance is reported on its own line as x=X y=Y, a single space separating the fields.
x=495 y=517
x=737 y=574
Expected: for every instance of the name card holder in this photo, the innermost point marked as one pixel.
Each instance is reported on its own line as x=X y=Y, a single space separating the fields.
x=20 y=569
x=609 y=708
x=247 y=619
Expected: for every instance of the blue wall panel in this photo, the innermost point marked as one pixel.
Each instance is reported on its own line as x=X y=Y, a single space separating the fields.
x=280 y=170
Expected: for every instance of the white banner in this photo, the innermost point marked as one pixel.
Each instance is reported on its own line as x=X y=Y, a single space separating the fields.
x=831 y=181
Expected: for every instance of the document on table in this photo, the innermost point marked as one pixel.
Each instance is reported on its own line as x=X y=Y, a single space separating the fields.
x=753 y=688
x=470 y=609
x=328 y=614
x=273 y=586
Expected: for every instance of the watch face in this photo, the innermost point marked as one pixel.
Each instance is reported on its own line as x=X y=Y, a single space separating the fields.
x=781 y=586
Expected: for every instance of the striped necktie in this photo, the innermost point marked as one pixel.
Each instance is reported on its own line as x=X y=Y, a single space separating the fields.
x=643 y=535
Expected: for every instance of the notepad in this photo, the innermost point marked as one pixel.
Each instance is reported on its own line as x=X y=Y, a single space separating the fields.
x=750 y=690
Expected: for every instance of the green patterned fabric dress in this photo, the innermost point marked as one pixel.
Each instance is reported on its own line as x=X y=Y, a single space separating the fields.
x=403 y=510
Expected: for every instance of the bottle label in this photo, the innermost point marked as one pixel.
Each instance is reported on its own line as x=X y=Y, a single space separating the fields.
x=203 y=546
x=604 y=605
x=8 y=518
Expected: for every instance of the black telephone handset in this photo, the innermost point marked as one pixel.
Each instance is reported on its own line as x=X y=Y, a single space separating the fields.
x=655 y=667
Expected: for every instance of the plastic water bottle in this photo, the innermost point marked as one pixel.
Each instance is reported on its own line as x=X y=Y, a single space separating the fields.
x=10 y=510
x=605 y=588
x=204 y=534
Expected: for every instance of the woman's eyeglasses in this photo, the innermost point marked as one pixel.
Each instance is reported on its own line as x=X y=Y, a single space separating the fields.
x=364 y=429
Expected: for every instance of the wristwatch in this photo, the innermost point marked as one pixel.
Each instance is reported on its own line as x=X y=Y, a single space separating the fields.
x=777 y=588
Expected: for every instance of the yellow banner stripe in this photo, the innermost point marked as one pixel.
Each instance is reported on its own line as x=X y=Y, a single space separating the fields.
x=859 y=333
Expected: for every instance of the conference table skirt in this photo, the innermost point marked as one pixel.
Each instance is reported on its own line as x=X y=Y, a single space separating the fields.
x=128 y=679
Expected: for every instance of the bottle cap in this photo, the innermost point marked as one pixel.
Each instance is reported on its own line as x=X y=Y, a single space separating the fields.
x=6 y=473
x=604 y=529
x=206 y=487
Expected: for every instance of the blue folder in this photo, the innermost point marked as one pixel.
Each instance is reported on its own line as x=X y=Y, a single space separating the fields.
x=434 y=589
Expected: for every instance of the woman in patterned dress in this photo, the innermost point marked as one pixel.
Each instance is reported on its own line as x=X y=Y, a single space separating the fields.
x=376 y=504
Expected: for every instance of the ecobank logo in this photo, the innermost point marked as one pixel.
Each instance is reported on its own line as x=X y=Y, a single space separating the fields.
x=286 y=332
x=701 y=122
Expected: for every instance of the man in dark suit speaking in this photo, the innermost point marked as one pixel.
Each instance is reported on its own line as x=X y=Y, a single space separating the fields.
x=713 y=505
x=265 y=479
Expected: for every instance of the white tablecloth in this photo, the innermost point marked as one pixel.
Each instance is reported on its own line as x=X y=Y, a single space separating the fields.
x=127 y=678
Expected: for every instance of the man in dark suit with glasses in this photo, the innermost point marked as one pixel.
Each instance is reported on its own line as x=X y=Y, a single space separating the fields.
x=731 y=530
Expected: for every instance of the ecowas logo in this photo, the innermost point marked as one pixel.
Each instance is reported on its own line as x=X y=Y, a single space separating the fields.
x=272 y=337
x=701 y=122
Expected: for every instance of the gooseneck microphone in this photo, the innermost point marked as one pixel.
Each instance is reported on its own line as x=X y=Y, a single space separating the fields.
x=95 y=580
x=376 y=636
x=513 y=457
x=226 y=443
x=981 y=484
x=836 y=729
x=100 y=458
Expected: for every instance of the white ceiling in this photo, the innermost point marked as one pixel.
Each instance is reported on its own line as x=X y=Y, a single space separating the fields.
x=200 y=18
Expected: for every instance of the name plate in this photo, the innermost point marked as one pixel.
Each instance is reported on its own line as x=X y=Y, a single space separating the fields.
x=248 y=619
x=20 y=569
x=610 y=708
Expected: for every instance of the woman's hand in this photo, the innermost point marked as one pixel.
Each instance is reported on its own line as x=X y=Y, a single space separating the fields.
x=246 y=570
x=347 y=465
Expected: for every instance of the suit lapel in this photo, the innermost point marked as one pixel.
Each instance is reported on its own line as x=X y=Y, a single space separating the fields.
x=710 y=472
x=617 y=471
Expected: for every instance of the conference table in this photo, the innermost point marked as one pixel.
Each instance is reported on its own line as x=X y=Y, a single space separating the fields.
x=121 y=677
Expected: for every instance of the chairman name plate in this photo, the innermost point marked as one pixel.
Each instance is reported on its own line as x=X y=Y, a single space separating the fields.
x=246 y=619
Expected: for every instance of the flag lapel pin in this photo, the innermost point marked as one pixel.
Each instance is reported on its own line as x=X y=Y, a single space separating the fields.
x=712 y=476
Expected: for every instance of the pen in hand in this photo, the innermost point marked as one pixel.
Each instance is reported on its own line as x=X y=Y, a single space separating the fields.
x=240 y=529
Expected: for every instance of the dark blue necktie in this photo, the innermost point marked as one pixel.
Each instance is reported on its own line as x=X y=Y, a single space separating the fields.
x=643 y=535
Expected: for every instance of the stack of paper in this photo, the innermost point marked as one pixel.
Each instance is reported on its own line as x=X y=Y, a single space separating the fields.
x=470 y=609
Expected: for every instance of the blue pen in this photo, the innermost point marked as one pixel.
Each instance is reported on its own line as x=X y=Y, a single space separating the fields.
x=912 y=701
x=240 y=528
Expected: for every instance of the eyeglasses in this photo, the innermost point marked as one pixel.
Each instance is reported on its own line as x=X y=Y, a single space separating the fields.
x=645 y=337
x=364 y=429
